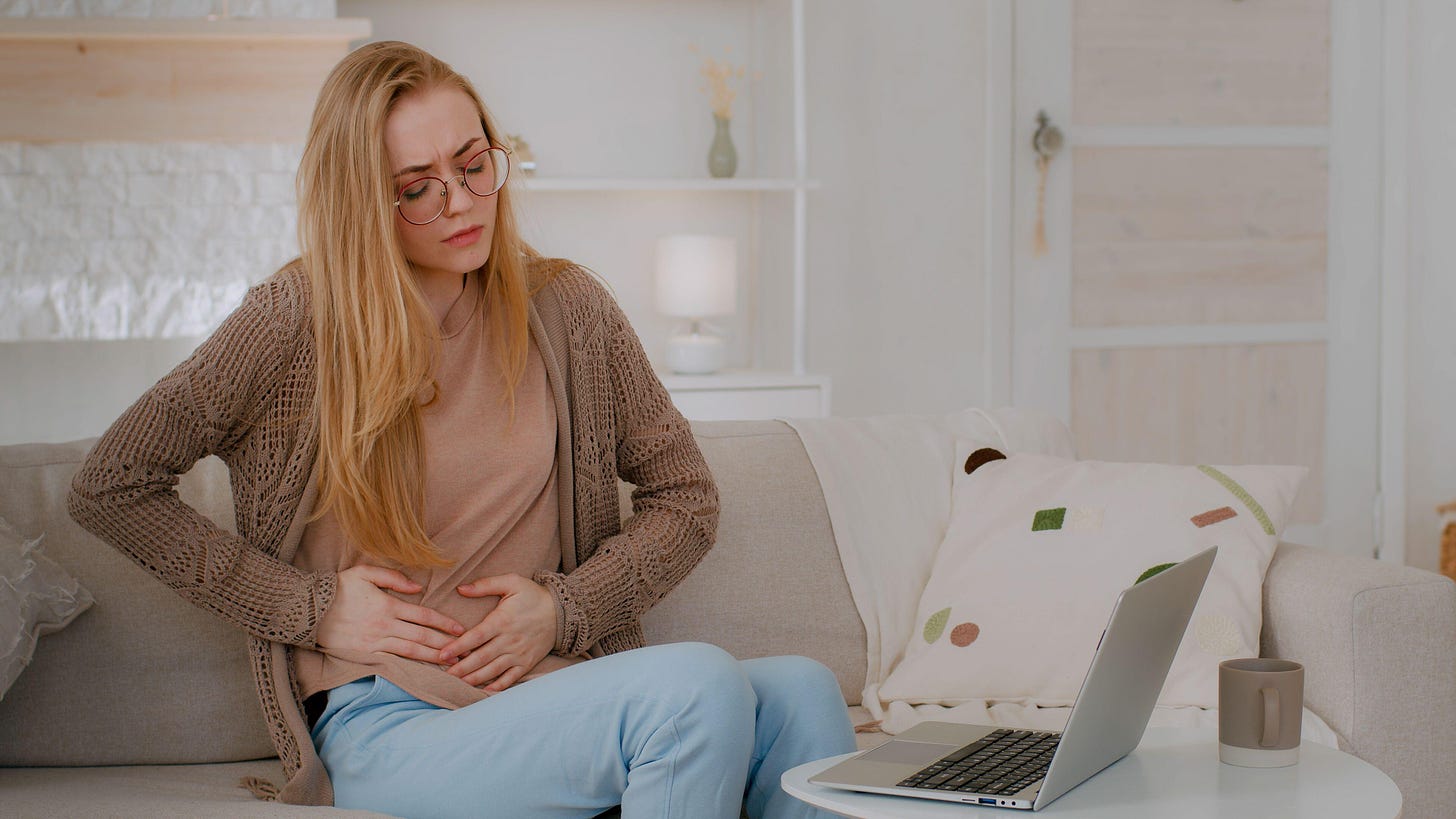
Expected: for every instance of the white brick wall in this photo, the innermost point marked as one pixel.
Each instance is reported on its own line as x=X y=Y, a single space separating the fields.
x=108 y=240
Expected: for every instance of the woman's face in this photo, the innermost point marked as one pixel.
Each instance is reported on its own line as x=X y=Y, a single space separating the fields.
x=439 y=128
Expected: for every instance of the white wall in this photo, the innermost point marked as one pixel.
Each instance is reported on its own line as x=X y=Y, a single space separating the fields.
x=1431 y=320
x=897 y=134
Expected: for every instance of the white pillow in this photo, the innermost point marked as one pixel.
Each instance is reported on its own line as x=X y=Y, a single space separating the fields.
x=36 y=597
x=1038 y=548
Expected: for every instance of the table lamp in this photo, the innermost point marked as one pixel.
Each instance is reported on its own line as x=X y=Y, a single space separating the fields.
x=696 y=278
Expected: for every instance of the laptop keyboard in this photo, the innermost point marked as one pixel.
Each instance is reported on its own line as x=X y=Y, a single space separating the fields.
x=1002 y=762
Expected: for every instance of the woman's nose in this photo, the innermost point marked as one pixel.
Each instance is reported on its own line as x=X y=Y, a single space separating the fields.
x=458 y=198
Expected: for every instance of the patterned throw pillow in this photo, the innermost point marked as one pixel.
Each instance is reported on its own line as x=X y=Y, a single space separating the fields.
x=1038 y=549
x=36 y=597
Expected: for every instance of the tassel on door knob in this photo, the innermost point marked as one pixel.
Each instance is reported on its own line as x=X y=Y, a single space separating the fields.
x=1047 y=142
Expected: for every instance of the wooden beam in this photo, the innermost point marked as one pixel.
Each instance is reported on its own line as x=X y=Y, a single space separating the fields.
x=165 y=80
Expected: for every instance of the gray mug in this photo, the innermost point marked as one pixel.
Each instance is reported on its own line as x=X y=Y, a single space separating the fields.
x=1260 y=706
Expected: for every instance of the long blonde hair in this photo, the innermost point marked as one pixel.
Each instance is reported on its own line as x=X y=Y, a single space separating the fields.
x=375 y=335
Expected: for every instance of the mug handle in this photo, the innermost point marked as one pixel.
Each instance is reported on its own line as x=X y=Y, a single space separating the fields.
x=1271 y=717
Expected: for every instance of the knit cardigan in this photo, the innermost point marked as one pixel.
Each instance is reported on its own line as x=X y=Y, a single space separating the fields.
x=247 y=395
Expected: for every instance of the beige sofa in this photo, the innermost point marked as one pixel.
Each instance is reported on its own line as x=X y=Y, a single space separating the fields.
x=144 y=706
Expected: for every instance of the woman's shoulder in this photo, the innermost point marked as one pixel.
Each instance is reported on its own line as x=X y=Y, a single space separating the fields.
x=577 y=287
x=282 y=300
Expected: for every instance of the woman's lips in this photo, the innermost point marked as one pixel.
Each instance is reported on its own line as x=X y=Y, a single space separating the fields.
x=465 y=239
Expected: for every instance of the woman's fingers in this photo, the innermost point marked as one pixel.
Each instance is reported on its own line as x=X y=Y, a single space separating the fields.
x=387 y=578
x=409 y=649
x=492 y=670
x=365 y=617
x=426 y=637
x=506 y=680
x=471 y=640
x=478 y=658
x=411 y=613
x=494 y=585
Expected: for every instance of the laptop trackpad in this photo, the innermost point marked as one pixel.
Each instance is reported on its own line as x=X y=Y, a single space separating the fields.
x=902 y=752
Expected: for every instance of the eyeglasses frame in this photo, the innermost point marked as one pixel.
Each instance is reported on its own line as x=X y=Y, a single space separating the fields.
x=445 y=191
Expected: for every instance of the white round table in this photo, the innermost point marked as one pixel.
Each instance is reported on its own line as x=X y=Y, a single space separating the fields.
x=1175 y=772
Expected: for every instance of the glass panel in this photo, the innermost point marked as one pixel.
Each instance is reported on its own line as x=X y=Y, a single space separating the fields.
x=1198 y=235
x=1201 y=62
x=1240 y=404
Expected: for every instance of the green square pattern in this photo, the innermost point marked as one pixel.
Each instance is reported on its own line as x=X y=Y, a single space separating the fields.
x=1048 y=519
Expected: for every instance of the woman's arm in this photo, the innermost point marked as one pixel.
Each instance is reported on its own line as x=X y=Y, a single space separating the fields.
x=675 y=503
x=124 y=492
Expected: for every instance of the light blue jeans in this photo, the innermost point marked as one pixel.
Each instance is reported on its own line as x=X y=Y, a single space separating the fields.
x=679 y=730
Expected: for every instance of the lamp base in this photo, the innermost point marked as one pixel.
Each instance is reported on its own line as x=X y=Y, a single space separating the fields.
x=696 y=354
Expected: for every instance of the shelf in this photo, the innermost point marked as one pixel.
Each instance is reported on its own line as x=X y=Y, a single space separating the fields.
x=332 y=29
x=748 y=394
x=578 y=184
x=736 y=379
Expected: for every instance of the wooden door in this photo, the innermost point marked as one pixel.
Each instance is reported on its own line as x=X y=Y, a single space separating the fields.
x=1209 y=288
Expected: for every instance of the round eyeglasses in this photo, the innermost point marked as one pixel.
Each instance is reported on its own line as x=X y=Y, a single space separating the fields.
x=421 y=201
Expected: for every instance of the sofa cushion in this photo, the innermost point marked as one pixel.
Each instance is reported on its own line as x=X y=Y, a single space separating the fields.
x=1038 y=549
x=133 y=680
x=192 y=791
x=772 y=583
x=37 y=597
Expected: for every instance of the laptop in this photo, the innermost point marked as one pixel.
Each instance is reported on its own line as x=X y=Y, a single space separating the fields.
x=1008 y=768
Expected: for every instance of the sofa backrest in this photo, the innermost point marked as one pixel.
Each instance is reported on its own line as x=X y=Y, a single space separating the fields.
x=773 y=583
x=143 y=676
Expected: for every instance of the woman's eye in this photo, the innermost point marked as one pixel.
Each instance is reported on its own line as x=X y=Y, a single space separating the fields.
x=415 y=192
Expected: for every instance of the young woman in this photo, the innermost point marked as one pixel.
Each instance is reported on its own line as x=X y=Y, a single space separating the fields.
x=424 y=422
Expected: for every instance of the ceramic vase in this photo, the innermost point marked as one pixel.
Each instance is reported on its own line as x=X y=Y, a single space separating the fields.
x=722 y=156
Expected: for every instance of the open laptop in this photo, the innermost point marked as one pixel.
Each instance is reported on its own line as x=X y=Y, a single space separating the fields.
x=986 y=765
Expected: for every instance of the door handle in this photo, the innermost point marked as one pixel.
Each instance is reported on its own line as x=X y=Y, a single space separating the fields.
x=1047 y=140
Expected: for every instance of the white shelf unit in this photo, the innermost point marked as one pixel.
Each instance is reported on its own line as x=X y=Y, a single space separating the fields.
x=633 y=159
x=734 y=395
x=740 y=394
x=580 y=184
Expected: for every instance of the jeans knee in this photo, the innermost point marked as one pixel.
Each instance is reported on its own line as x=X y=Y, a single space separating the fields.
x=807 y=678
x=814 y=674
x=701 y=673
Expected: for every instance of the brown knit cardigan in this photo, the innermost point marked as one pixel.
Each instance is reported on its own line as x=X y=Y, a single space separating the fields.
x=246 y=395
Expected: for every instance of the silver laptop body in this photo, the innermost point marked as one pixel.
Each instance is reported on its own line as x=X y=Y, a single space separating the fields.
x=1108 y=718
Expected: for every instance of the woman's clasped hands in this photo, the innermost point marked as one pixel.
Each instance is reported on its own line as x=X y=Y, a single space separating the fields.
x=505 y=645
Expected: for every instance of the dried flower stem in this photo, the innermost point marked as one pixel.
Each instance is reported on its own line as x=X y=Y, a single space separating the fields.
x=718 y=76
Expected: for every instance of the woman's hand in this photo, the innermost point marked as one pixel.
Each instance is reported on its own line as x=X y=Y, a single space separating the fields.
x=364 y=618
x=518 y=633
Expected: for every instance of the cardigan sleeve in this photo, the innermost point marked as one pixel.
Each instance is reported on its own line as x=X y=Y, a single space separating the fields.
x=125 y=494
x=675 y=503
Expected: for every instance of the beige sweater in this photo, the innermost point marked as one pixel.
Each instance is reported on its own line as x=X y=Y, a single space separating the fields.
x=491 y=506
x=246 y=395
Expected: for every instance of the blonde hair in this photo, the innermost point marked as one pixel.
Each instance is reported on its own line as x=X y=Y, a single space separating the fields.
x=375 y=335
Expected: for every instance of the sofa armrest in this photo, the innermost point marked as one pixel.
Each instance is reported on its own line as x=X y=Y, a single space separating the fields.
x=1378 y=643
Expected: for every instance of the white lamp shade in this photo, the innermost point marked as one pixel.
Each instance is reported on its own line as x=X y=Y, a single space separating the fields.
x=697 y=276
